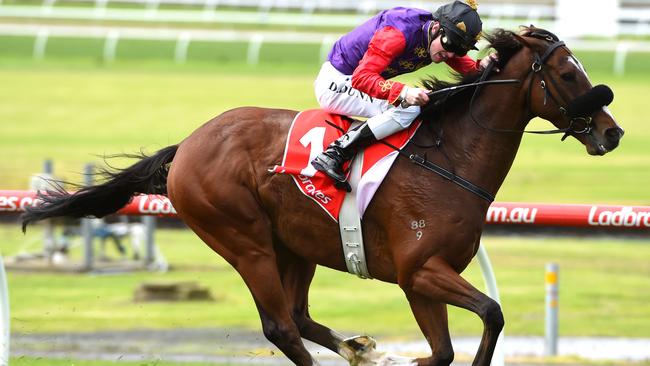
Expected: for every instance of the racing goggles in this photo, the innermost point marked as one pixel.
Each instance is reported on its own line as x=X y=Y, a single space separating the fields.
x=451 y=46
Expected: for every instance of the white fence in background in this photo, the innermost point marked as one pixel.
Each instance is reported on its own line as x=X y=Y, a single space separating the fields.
x=520 y=9
x=183 y=38
x=338 y=5
x=630 y=17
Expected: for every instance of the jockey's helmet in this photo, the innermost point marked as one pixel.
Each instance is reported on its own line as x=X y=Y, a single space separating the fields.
x=460 y=26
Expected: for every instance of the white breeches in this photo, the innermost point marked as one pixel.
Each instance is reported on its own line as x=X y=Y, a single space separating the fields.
x=335 y=94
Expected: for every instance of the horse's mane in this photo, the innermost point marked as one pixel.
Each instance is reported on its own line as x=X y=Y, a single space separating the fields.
x=504 y=42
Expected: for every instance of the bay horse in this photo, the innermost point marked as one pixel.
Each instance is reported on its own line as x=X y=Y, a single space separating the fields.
x=218 y=181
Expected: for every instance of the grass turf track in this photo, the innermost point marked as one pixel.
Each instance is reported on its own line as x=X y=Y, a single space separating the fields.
x=68 y=109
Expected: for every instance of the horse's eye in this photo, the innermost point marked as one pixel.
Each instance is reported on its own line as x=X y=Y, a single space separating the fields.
x=568 y=76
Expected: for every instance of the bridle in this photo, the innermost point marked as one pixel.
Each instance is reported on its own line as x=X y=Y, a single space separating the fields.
x=537 y=69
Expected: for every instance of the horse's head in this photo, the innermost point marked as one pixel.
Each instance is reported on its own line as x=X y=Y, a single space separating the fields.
x=558 y=88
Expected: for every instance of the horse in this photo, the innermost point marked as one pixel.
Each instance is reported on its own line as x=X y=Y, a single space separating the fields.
x=274 y=237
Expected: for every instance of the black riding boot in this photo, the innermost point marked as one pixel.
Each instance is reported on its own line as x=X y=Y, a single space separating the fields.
x=341 y=150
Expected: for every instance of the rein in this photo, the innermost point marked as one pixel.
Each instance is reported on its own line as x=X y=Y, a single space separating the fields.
x=435 y=168
x=478 y=83
x=446 y=174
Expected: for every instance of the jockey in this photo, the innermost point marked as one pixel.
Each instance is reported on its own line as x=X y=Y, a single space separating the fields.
x=353 y=81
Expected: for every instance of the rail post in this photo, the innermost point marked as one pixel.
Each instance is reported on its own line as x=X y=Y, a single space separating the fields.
x=620 y=57
x=551 y=319
x=110 y=45
x=149 y=229
x=182 y=46
x=48 y=228
x=4 y=316
x=87 y=224
x=40 y=43
x=254 y=46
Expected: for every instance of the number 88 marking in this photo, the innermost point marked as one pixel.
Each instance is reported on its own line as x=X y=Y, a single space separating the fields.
x=418 y=224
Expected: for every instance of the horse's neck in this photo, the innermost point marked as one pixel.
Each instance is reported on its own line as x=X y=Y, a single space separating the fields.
x=481 y=156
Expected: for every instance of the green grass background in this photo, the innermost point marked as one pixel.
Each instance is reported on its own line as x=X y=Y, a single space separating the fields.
x=603 y=289
x=73 y=105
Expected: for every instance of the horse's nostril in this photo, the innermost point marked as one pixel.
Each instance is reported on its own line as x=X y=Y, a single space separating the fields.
x=614 y=134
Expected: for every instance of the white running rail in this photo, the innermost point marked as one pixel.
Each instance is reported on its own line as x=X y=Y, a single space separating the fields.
x=183 y=38
x=498 y=358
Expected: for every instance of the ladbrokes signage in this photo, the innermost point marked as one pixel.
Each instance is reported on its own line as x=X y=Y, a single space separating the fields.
x=158 y=205
x=569 y=215
x=16 y=201
x=623 y=217
x=150 y=205
x=543 y=214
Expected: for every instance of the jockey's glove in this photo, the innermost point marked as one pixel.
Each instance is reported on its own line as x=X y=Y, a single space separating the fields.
x=413 y=96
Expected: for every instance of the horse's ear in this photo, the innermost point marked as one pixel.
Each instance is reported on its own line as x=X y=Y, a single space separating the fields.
x=522 y=40
x=527 y=30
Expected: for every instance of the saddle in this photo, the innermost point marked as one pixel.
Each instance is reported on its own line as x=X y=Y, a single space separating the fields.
x=310 y=133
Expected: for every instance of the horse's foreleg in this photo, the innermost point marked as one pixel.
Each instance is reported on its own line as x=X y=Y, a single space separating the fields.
x=441 y=283
x=432 y=319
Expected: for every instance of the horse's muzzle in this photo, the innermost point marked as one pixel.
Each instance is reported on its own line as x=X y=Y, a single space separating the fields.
x=612 y=137
x=608 y=142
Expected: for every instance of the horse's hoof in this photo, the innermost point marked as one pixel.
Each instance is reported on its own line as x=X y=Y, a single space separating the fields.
x=361 y=351
x=354 y=349
x=361 y=344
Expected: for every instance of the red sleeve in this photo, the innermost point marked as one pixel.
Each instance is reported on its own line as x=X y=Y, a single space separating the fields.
x=464 y=65
x=386 y=44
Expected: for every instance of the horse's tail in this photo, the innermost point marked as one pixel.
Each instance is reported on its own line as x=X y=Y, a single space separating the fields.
x=149 y=175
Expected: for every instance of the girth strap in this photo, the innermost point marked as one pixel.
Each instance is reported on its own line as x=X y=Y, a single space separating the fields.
x=350 y=225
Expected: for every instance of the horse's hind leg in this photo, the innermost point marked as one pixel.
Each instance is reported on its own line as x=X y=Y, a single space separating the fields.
x=248 y=247
x=297 y=275
x=264 y=283
x=359 y=351
x=439 y=282
x=296 y=279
